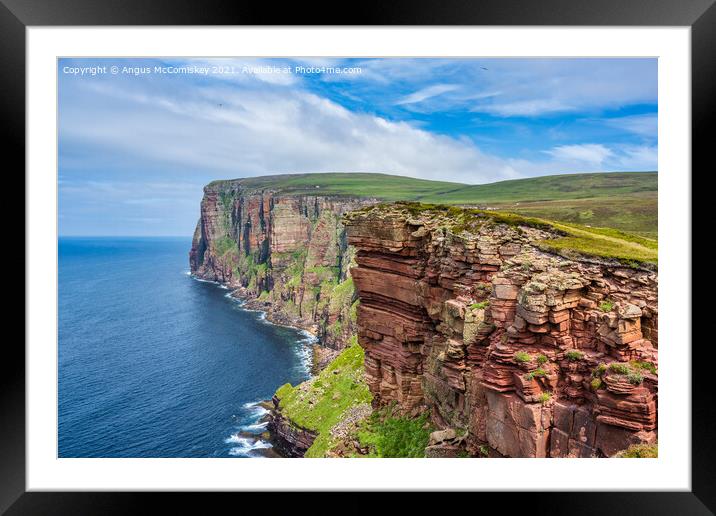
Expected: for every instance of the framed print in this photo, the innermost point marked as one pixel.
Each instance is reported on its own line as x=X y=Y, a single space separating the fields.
x=430 y=250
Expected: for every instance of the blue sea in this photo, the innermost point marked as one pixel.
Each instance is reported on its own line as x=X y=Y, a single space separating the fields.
x=154 y=363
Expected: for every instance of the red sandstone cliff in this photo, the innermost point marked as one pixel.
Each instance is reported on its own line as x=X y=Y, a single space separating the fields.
x=531 y=354
x=286 y=253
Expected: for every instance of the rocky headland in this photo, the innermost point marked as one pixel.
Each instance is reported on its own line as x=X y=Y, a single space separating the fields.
x=284 y=254
x=480 y=319
x=518 y=337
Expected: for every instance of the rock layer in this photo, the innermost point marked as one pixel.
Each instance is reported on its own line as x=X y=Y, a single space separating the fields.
x=286 y=254
x=530 y=354
x=289 y=439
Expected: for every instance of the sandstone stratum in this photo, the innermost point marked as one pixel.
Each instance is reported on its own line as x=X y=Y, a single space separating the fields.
x=518 y=337
x=528 y=352
x=285 y=254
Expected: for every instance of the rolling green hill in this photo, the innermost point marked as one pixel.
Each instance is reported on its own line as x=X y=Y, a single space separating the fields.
x=623 y=200
x=382 y=186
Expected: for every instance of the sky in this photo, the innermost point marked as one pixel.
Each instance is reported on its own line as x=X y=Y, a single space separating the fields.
x=139 y=138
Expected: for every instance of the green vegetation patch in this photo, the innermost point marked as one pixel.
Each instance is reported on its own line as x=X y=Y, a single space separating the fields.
x=544 y=397
x=573 y=355
x=619 y=368
x=480 y=306
x=641 y=365
x=633 y=374
x=570 y=239
x=537 y=373
x=521 y=357
x=640 y=451
x=606 y=306
x=224 y=245
x=342 y=295
x=318 y=404
x=386 y=433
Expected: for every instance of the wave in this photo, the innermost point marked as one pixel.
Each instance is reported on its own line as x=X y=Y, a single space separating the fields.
x=255 y=408
x=256 y=427
x=308 y=337
x=203 y=280
x=245 y=445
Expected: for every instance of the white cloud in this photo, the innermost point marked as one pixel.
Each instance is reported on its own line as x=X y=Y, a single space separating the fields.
x=638 y=157
x=256 y=132
x=642 y=125
x=597 y=157
x=225 y=130
x=427 y=93
x=538 y=86
x=590 y=153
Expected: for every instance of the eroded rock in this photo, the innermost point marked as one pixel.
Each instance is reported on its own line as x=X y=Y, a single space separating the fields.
x=492 y=335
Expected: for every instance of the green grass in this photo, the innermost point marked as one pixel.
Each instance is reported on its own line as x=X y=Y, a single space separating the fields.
x=635 y=377
x=640 y=451
x=225 y=244
x=522 y=357
x=570 y=239
x=537 y=373
x=628 y=249
x=573 y=355
x=623 y=200
x=480 y=306
x=319 y=404
x=380 y=186
x=619 y=368
x=544 y=397
x=342 y=295
x=640 y=366
x=556 y=187
x=632 y=372
x=599 y=371
x=388 y=434
x=606 y=306
x=636 y=214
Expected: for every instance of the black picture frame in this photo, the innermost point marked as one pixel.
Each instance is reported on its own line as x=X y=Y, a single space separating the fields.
x=17 y=15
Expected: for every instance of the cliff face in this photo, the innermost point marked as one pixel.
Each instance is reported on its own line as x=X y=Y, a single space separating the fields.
x=285 y=253
x=289 y=439
x=530 y=354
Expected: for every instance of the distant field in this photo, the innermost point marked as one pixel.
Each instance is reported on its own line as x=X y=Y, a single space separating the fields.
x=382 y=186
x=626 y=201
x=633 y=213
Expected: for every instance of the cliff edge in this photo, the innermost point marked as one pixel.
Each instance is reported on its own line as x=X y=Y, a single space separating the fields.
x=526 y=346
x=285 y=253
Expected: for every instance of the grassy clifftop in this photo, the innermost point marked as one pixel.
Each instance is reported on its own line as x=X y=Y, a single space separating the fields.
x=334 y=400
x=569 y=239
x=320 y=403
x=626 y=201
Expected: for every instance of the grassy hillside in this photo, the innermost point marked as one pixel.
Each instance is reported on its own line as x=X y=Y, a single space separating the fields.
x=561 y=187
x=382 y=186
x=623 y=200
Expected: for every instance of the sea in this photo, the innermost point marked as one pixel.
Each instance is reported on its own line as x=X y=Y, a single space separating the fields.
x=155 y=363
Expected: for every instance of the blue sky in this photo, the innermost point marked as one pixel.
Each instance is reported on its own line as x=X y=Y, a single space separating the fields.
x=136 y=147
